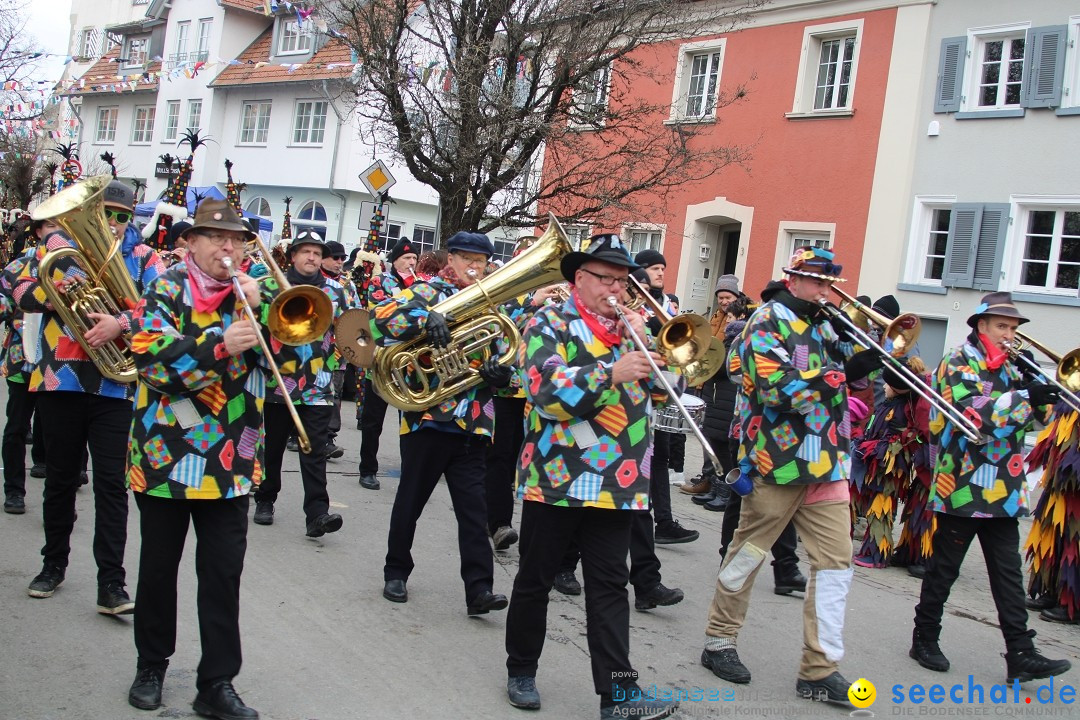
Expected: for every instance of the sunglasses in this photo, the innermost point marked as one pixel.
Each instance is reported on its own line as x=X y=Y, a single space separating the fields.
x=120 y=216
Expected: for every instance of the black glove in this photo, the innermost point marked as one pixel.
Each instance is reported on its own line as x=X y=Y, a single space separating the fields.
x=1027 y=369
x=862 y=364
x=494 y=374
x=843 y=333
x=1042 y=394
x=437 y=329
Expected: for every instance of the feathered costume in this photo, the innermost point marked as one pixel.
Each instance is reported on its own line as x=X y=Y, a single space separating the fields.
x=1053 y=544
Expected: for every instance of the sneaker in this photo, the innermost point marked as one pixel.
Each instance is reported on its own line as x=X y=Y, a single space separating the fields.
x=567 y=583
x=504 y=537
x=522 y=693
x=676 y=478
x=112 y=599
x=672 y=532
x=221 y=701
x=726 y=665
x=640 y=709
x=145 y=692
x=264 y=513
x=833 y=689
x=659 y=595
x=45 y=584
x=37 y=470
x=14 y=504
x=927 y=652
x=293 y=444
x=333 y=451
x=369 y=482
x=1025 y=665
x=325 y=523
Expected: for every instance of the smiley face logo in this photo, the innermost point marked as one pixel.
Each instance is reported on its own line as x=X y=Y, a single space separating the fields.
x=862 y=693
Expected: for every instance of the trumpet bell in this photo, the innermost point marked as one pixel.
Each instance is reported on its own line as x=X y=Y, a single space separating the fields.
x=300 y=315
x=901 y=334
x=698 y=371
x=684 y=339
x=1068 y=370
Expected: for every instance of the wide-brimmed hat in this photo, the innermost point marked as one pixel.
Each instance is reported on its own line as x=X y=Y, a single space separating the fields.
x=996 y=303
x=309 y=237
x=815 y=263
x=607 y=248
x=213 y=214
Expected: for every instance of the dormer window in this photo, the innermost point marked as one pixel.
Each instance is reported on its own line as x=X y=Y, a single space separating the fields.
x=135 y=47
x=293 y=39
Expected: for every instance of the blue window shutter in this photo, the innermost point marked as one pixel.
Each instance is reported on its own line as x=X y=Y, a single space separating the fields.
x=1044 y=66
x=950 y=76
x=992 y=231
x=961 y=246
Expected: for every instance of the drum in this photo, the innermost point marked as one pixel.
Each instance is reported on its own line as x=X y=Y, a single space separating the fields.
x=669 y=419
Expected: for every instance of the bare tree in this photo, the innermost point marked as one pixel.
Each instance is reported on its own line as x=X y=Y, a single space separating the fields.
x=19 y=57
x=473 y=94
x=21 y=176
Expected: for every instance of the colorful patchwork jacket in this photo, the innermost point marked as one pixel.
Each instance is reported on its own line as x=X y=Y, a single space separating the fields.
x=384 y=287
x=587 y=443
x=306 y=369
x=974 y=480
x=796 y=429
x=63 y=364
x=15 y=368
x=197 y=432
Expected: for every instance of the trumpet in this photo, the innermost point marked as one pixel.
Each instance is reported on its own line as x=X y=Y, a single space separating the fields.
x=1067 y=378
x=682 y=339
x=898 y=336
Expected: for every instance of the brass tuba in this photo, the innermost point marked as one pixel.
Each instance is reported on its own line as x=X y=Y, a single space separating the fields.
x=404 y=373
x=80 y=210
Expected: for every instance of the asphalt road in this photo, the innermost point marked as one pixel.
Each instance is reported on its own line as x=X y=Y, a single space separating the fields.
x=320 y=642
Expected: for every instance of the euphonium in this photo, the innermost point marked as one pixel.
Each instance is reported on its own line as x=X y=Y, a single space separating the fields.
x=80 y=210
x=414 y=375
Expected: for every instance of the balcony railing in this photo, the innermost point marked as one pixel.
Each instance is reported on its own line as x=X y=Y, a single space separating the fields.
x=180 y=59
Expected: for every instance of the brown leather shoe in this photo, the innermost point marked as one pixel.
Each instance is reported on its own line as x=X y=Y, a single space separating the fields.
x=694 y=489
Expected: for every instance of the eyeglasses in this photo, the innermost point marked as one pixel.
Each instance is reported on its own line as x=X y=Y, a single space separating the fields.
x=339 y=257
x=609 y=280
x=219 y=239
x=480 y=261
x=120 y=216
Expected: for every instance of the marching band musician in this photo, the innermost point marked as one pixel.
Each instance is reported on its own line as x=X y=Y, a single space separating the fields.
x=307 y=370
x=398 y=276
x=196 y=450
x=77 y=405
x=582 y=472
x=450 y=438
x=332 y=265
x=794 y=439
x=979 y=489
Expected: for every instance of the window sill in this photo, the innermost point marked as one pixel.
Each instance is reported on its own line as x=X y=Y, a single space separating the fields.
x=1068 y=111
x=916 y=287
x=139 y=144
x=990 y=114
x=709 y=120
x=1046 y=299
x=304 y=145
x=103 y=142
x=252 y=144
x=815 y=114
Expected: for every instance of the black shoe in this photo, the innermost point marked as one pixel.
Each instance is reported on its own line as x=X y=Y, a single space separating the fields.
x=293 y=444
x=1059 y=615
x=394 y=591
x=1025 y=665
x=325 y=523
x=725 y=664
x=789 y=583
x=112 y=599
x=916 y=571
x=221 y=701
x=145 y=692
x=14 y=504
x=672 y=532
x=1043 y=602
x=37 y=470
x=504 y=537
x=927 y=652
x=718 y=504
x=369 y=482
x=522 y=693
x=639 y=709
x=567 y=584
x=833 y=689
x=485 y=602
x=45 y=584
x=333 y=451
x=264 y=513
x=659 y=595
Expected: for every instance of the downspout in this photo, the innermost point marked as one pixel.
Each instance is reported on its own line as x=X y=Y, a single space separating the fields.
x=334 y=162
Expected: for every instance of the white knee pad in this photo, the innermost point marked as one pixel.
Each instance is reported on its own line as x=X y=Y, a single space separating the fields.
x=830 y=601
x=734 y=574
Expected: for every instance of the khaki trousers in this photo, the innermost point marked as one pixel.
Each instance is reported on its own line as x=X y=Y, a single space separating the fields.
x=825 y=529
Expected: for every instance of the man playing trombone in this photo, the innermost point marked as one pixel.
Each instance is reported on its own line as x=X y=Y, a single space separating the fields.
x=979 y=489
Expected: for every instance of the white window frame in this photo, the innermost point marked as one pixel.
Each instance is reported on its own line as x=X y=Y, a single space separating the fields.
x=657 y=236
x=1070 y=91
x=202 y=39
x=318 y=226
x=88 y=42
x=307 y=126
x=680 y=93
x=259 y=203
x=105 y=129
x=789 y=231
x=1021 y=207
x=194 y=114
x=142 y=124
x=922 y=219
x=183 y=35
x=422 y=241
x=591 y=101
x=293 y=39
x=576 y=234
x=810 y=61
x=976 y=41
x=172 y=121
x=260 y=126
x=129 y=47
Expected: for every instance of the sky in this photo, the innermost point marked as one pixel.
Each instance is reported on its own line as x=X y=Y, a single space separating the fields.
x=48 y=23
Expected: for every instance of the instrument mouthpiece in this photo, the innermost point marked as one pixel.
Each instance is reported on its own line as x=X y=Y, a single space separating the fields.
x=612 y=301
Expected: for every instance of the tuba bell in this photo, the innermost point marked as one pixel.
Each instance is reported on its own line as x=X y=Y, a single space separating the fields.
x=414 y=376
x=80 y=210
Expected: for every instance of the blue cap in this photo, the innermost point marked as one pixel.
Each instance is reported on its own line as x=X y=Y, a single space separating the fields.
x=470 y=242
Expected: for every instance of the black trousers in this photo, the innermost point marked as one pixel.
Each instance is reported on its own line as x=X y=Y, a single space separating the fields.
x=727 y=451
x=659 y=487
x=502 y=461
x=279 y=426
x=677 y=454
x=220 y=546
x=604 y=538
x=20 y=413
x=425 y=456
x=337 y=384
x=372 y=416
x=71 y=420
x=1000 y=542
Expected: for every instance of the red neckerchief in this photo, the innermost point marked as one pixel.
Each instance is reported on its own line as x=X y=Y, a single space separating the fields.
x=995 y=356
x=206 y=291
x=448 y=274
x=605 y=329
